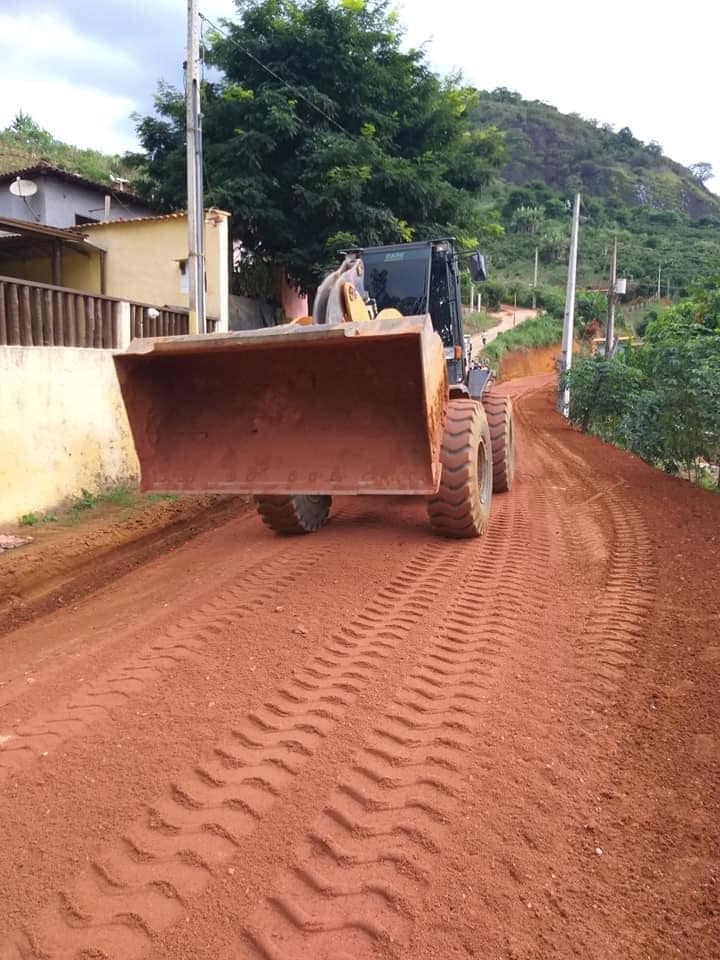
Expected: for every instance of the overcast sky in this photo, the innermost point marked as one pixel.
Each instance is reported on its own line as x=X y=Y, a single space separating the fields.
x=81 y=67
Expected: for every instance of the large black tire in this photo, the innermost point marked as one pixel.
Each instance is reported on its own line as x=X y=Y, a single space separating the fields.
x=499 y=413
x=461 y=507
x=295 y=514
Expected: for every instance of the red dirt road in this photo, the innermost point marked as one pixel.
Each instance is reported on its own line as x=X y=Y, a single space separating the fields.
x=371 y=743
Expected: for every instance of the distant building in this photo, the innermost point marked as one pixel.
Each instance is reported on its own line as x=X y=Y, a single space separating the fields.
x=66 y=199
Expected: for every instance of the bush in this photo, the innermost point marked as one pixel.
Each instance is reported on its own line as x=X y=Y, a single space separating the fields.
x=552 y=301
x=493 y=293
x=601 y=394
x=662 y=399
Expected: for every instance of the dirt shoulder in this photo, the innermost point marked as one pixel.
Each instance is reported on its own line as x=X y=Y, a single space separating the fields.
x=79 y=551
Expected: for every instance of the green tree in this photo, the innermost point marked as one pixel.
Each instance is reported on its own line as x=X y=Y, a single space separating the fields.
x=661 y=400
x=358 y=143
x=601 y=394
x=527 y=219
x=676 y=421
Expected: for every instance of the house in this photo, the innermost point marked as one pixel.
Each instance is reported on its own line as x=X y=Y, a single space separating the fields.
x=142 y=259
x=63 y=199
x=145 y=260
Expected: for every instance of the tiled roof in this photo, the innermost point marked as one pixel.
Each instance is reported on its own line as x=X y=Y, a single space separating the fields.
x=43 y=169
x=178 y=215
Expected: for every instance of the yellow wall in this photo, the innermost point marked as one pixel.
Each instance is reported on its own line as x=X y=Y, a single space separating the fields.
x=38 y=271
x=62 y=427
x=79 y=272
x=142 y=261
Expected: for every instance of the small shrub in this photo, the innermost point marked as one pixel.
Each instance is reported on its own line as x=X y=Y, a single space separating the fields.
x=493 y=294
x=29 y=520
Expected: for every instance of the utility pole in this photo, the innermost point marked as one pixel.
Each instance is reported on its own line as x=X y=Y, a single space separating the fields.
x=196 y=215
x=659 y=278
x=610 y=326
x=569 y=319
x=535 y=279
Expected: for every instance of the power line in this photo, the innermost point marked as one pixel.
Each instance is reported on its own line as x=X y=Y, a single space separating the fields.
x=276 y=76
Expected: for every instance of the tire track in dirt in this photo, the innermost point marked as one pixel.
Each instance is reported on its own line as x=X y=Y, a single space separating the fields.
x=360 y=876
x=141 y=883
x=253 y=589
x=604 y=523
x=573 y=684
x=609 y=641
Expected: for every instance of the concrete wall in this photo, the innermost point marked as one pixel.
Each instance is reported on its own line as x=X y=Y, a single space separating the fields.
x=57 y=202
x=62 y=427
x=249 y=313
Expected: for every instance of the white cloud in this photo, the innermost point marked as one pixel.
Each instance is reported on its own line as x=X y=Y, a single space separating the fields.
x=97 y=120
x=39 y=56
x=631 y=64
x=45 y=42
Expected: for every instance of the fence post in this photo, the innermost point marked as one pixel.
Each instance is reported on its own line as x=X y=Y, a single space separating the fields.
x=123 y=331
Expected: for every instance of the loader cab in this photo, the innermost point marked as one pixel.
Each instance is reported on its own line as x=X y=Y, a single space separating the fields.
x=417 y=278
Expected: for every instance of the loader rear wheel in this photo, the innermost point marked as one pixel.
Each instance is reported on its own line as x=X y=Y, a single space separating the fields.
x=499 y=413
x=299 y=513
x=461 y=507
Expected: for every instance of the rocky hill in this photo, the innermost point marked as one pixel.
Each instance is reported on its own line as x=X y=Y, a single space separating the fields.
x=568 y=153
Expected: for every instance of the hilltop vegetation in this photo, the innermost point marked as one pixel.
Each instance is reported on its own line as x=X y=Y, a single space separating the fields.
x=24 y=143
x=536 y=216
x=568 y=153
x=662 y=213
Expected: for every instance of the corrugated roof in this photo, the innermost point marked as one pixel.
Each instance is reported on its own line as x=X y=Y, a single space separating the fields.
x=12 y=229
x=44 y=169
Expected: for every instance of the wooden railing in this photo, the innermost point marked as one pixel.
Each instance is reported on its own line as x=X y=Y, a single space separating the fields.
x=146 y=321
x=38 y=314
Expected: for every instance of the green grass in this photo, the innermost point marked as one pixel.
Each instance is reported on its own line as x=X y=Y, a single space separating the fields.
x=121 y=496
x=478 y=322
x=539 y=331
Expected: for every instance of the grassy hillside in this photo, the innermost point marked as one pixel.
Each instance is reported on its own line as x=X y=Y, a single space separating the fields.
x=662 y=214
x=24 y=143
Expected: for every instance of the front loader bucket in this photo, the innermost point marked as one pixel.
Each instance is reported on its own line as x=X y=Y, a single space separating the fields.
x=352 y=408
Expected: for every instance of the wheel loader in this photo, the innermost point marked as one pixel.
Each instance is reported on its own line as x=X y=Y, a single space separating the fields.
x=375 y=393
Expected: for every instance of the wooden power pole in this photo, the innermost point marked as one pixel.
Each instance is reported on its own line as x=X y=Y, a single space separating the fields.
x=535 y=280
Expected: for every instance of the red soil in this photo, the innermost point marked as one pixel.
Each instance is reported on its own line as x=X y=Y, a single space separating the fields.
x=374 y=743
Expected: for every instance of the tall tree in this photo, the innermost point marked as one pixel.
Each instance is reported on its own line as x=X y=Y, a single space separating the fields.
x=324 y=132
